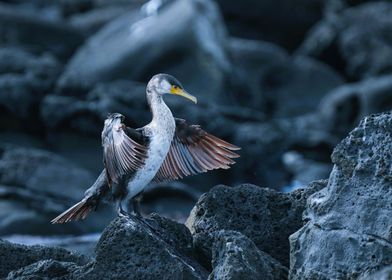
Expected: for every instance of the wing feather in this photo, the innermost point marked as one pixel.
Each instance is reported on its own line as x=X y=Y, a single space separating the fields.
x=124 y=153
x=195 y=151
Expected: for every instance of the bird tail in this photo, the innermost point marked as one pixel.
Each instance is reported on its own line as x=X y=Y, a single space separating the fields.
x=77 y=212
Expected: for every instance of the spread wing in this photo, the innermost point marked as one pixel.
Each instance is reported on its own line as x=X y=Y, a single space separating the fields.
x=124 y=151
x=194 y=151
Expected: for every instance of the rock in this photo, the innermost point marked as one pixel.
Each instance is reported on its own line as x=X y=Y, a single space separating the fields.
x=264 y=146
x=354 y=41
x=263 y=215
x=83 y=244
x=15 y=256
x=39 y=34
x=236 y=257
x=24 y=80
x=383 y=274
x=344 y=107
x=191 y=48
x=128 y=249
x=281 y=22
x=47 y=269
x=36 y=186
x=348 y=231
x=268 y=79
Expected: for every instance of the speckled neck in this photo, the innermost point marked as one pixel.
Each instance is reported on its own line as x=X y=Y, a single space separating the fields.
x=161 y=113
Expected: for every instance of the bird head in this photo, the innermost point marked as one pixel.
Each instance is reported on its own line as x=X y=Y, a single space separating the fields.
x=167 y=84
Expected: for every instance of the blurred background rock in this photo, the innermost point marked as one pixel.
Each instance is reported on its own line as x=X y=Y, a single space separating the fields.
x=284 y=80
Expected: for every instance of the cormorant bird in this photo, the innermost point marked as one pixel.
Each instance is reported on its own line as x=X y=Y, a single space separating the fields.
x=165 y=149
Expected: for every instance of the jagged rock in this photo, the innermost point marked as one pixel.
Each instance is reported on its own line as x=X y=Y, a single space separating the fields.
x=24 y=80
x=35 y=186
x=263 y=215
x=355 y=41
x=191 y=48
x=264 y=146
x=234 y=256
x=282 y=22
x=348 y=226
x=15 y=256
x=47 y=269
x=129 y=249
x=344 y=107
x=268 y=79
x=25 y=28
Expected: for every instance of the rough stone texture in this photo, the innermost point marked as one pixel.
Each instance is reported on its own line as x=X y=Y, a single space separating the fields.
x=15 y=256
x=267 y=78
x=47 y=269
x=199 y=61
x=129 y=250
x=348 y=225
x=37 y=185
x=263 y=215
x=345 y=106
x=355 y=41
x=234 y=256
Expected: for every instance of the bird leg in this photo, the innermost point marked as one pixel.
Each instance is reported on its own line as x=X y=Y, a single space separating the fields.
x=136 y=205
x=120 y=211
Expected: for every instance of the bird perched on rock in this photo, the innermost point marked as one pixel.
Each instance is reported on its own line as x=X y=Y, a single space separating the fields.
x=165 y=149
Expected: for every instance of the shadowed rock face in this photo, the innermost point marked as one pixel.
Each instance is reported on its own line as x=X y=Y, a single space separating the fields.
x=127 y=249
x=14 y=256
x=137 y=47
x=234 y=256
x=36 y=185
x=263 y=215
x=348 y=223
x=356 y=40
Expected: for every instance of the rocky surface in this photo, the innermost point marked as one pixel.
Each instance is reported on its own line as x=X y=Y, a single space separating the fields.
x=234 y=256
x=349 y=220
x=354 y=40
x=14 y=256
x=265 y=216
x=127 y=249
x=284 y=81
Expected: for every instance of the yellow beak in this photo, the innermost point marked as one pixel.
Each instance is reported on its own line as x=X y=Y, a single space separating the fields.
x=178 y=91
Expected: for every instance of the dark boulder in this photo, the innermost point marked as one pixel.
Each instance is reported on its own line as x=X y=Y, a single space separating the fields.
x=190 y=47
x=234 y=256
x=47 y=269
x=355 y=41
x=15 y=256
x=348 y=224
x=265 y=146
x=36 y=186
x=281 y=22
x=265 y=77
x=24 y=80
x=263 y=215
x=345 y=106
x=129 y=249
x=20 y=27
